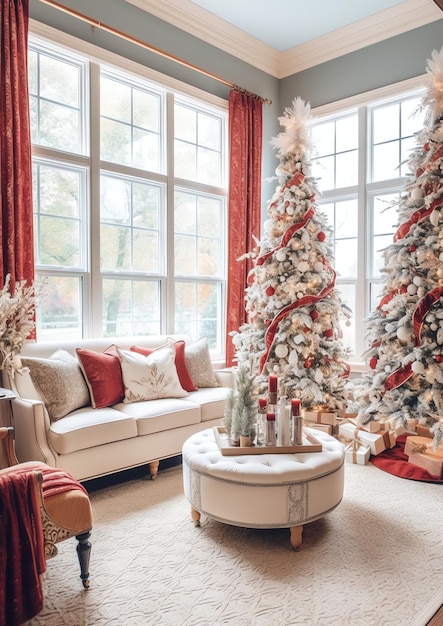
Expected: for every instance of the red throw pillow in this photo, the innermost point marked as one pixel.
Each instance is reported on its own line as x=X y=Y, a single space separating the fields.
x=103 y=374
x=180 y=363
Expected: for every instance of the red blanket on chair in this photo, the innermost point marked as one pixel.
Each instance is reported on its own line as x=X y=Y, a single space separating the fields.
x=54 y=480
x=22 y=558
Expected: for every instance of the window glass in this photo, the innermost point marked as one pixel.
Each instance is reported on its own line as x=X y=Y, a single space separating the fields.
x=130 y=124
x=116 y=257
x=361 y=205
x=55 y=94
x=198 y=145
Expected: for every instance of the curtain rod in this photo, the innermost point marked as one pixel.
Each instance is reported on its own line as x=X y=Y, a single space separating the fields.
x=97 y=24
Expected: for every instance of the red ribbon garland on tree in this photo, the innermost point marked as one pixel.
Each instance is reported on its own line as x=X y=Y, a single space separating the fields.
x=287 y=236
x=416 y=217
x=401 y=375
x=272 y=328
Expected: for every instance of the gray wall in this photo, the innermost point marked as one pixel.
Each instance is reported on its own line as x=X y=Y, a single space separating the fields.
x=390 y=61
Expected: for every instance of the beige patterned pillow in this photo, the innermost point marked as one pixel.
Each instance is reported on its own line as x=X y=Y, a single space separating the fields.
x=60 y=383
x=150 y=377
x=199 y=364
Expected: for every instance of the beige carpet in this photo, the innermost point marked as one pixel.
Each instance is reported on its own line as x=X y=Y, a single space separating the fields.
x=377 y=560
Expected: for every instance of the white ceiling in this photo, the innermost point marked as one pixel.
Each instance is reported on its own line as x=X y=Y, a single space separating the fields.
x=283 y=24
x=283 y=37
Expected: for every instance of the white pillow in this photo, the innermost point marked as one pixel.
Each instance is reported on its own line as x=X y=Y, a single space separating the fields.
x=150 y=377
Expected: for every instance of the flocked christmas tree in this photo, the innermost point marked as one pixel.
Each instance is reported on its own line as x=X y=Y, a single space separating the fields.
x=294 y=309
x=405 y=331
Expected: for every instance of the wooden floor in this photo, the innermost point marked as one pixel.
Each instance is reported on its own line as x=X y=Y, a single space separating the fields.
x=437 y=620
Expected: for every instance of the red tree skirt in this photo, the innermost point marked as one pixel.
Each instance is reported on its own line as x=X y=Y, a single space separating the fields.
x=395 y=461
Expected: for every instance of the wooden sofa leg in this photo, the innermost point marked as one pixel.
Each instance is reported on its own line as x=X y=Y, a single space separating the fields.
x=84 y=554
x=153 y=469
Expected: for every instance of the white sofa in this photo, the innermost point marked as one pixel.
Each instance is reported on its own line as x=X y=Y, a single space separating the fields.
x=91 y=442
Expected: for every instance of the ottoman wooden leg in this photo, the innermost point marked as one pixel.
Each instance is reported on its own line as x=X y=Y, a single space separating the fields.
x=195 y=517
x=296 y=536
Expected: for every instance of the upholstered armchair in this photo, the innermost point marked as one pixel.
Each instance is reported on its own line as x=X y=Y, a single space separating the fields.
x=65 y=506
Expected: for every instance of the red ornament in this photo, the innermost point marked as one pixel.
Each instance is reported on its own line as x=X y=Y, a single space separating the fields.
x=439 y=358
x=314 y=314
x=412 y=248
x=270 y=291
x=373 y=363
x=267 y=322
x=308 y=363
x=321 y=236
x=328 y=332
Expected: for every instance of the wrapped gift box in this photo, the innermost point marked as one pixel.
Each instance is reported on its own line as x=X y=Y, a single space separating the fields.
x=372 y=427
x=423 y=431
x=325 y=428
x=377 y=442
x=357 y=452
x=430 y=462
x=415 y=444
x=320 y=417
x=411 y=424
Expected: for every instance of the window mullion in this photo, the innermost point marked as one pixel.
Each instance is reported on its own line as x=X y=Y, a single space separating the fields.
x=95 y=295
x=168 y=293
x=362 y=286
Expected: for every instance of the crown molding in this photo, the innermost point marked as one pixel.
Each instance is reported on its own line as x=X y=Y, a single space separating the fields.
x=210 y=28
x=378 y=27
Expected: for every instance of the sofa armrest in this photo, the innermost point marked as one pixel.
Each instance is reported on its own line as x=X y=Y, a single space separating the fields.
x=31 y=423
x=225 y=376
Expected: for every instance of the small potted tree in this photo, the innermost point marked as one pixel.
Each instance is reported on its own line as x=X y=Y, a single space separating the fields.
x=240 y=415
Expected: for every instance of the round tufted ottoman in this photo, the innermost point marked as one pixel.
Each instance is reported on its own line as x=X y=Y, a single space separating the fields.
x=263 y=490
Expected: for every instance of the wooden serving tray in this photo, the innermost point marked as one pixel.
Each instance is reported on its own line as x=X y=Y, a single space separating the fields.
x=310 y=444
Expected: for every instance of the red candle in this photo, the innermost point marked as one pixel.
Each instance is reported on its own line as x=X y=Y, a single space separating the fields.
x=273 y=383
x=262 y=402
x=295 y=406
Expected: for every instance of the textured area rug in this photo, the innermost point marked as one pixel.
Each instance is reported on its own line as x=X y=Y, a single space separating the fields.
x=395 y=461
x=376 y=560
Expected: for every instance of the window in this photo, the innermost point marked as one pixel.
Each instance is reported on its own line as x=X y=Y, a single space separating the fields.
x=130 y=202
x=360 y=163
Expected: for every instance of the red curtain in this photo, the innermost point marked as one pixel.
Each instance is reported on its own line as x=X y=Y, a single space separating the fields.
x=245 y=144
x=17 y=257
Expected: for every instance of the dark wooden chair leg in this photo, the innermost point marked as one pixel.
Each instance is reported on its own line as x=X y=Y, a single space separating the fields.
x=84 y=554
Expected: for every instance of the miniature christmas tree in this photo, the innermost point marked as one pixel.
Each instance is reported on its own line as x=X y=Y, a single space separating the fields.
x=294 y=310
x=405 y=331
x=240 y=415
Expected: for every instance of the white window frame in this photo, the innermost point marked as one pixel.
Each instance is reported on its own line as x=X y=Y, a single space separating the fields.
x=365 y=192
x=92 y=275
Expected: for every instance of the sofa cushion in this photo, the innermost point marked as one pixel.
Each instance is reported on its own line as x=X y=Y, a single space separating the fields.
x=199 y=364
x=88 y=427
x=211 y=402
x=180 y=362
x=160 y=415
x=150 y=377
x=60 y=383
x=103 y=374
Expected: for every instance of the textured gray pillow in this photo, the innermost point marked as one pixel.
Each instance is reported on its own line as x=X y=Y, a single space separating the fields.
x=60 y=383
x=199 y=364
